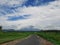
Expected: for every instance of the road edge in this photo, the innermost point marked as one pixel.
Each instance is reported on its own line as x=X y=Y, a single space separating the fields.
x=15 y=41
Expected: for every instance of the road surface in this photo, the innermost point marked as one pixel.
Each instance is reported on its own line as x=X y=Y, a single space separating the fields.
x=33 y=40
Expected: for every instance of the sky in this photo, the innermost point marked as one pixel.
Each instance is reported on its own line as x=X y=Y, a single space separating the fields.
x=30 y=14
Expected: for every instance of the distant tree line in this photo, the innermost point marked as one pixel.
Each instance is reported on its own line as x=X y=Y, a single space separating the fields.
x=50 y=30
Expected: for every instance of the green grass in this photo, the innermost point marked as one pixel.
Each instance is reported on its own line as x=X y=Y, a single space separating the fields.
x=8 y=36
x=54 y=37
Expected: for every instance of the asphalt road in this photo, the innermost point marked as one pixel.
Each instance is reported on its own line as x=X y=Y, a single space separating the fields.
x=33 y=40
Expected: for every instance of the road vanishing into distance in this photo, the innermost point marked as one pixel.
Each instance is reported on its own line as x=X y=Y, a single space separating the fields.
x=32 y=40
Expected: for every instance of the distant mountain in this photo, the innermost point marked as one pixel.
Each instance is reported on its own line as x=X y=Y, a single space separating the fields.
x=8 y=30
x=30 y=28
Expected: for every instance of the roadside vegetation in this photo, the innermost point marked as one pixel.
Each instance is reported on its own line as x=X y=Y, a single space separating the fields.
x=53 y=36
x=9 y=36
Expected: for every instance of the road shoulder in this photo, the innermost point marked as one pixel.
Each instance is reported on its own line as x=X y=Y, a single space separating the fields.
x=44 y=41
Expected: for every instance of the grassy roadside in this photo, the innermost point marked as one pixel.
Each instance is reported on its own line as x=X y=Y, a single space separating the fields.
x=54 y=37
x=8 y=36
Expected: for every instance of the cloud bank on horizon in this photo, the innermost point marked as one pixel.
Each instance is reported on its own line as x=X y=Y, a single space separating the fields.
x=39 y=14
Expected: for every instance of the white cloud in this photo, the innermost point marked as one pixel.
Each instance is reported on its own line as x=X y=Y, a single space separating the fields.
x=12 y=2
x=42 y=17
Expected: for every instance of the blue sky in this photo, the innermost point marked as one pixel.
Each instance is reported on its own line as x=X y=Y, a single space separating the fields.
x=19 y=14
x=37 y=2
x=14 y=18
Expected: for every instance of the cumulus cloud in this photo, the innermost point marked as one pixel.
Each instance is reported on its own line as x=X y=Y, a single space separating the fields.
x=41 y=17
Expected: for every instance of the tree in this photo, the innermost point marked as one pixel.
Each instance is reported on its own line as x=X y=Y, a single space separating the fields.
x=0 y=27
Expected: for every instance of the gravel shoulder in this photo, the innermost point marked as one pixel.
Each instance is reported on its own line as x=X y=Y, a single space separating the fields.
x=44 y=41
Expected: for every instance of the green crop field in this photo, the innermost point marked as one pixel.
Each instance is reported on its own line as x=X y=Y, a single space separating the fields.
x=54 y=37
x=8 y=36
